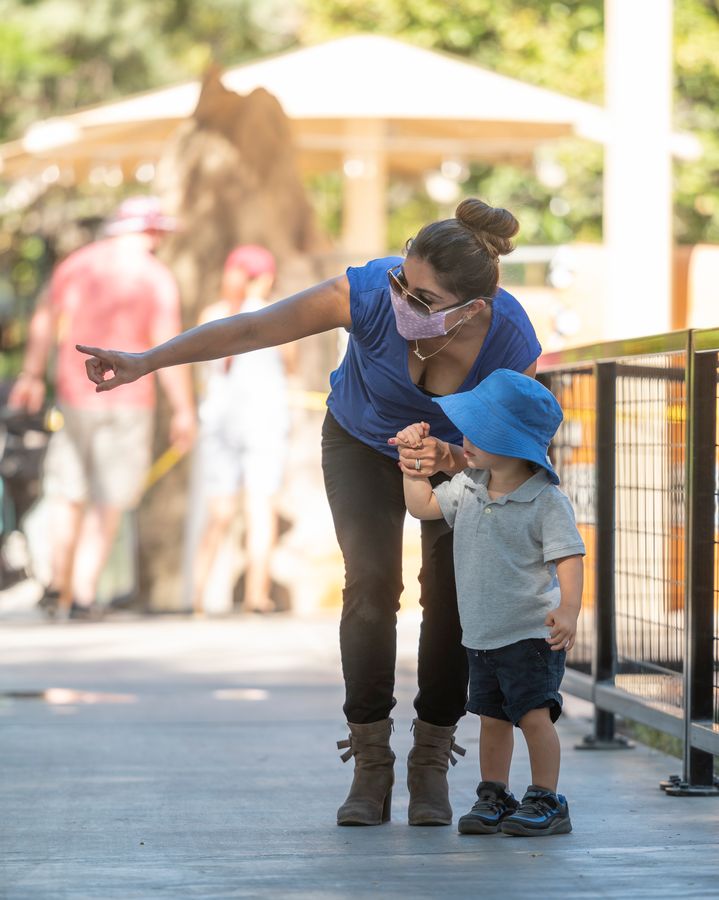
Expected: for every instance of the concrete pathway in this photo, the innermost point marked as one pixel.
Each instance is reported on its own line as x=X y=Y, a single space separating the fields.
x=183 y=759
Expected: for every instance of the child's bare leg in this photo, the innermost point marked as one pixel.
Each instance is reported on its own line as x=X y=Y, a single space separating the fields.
x=494 y=802
x=496 y=743
x=543 y=745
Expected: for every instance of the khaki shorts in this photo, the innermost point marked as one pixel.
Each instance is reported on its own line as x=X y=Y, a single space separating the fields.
x=100 y=456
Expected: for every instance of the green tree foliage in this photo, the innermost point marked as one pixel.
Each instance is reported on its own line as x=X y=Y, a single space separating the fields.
x=557 y=45
x=56 y=55
x=552 y=44
x=696 y=45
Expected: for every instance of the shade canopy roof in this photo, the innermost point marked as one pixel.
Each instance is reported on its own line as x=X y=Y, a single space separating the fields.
x=426 y=107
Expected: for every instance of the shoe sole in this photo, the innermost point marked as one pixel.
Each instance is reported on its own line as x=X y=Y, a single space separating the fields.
x=354 y=823
x=514 y=829
x=476 y=827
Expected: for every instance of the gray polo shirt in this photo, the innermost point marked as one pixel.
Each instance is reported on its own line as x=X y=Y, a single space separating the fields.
x=504 y=552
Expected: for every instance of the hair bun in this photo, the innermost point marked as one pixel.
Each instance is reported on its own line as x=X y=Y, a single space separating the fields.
x=492 y=226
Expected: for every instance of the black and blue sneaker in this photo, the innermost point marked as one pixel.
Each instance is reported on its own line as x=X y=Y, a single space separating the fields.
x=495 y=803
x=540 y=812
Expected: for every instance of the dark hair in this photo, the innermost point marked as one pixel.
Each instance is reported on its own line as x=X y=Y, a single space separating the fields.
x=464 y=251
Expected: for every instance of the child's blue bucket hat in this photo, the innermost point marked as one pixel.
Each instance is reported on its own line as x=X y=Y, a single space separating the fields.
x=509 y=414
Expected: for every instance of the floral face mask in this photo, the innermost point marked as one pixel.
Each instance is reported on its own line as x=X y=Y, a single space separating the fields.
x=415 y=319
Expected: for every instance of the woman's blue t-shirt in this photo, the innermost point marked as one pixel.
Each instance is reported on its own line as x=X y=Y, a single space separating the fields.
x=373 y=395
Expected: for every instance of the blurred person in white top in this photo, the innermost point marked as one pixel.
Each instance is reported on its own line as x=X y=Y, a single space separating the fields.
x=244 y=426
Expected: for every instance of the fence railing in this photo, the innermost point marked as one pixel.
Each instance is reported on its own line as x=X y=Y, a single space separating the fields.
x=638 y=455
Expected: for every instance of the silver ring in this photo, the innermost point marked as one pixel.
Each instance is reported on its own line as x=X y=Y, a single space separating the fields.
x=418 y=464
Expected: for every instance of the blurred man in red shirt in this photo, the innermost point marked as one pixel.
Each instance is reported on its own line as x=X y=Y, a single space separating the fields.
x=112 y=291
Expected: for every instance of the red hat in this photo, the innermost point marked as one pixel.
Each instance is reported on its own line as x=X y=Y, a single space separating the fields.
x=137 y=214
x=252 y=259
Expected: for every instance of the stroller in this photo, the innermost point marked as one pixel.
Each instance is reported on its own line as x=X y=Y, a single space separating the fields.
x=23 y=441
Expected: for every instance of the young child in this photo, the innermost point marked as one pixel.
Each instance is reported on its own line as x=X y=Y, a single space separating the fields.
x=518 y=564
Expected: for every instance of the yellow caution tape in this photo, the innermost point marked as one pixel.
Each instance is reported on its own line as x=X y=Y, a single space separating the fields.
x=315 y=401
x=162 y=465
x=311 y=400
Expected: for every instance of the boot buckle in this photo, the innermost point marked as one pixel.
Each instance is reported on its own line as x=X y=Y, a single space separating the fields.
x=455 y=748
x=348 y=753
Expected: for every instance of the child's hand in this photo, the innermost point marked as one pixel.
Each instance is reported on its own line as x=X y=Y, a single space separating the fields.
x=411 y=436
x=563 y=623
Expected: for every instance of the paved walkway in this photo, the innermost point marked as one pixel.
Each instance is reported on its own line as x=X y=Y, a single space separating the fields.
x=187 y=759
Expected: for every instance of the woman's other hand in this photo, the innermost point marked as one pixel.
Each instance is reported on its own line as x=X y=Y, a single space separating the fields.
x=419 y=454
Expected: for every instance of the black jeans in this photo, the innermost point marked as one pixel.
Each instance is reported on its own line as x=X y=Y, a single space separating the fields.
x=364 y=488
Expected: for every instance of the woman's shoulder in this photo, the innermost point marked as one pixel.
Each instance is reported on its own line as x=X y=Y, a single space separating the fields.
x=372 y=276
x=369 y=291
x=510 y=309
x=512 y=317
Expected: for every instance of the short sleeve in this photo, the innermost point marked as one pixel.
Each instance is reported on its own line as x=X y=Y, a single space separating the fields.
x=560 y=536
x=368 y=288
x=520 y=350
x=514 y=344
x=448 y=494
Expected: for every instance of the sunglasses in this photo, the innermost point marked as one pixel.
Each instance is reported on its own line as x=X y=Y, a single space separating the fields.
x=399 y=287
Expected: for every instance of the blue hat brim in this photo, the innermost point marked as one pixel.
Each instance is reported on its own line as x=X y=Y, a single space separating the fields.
x=486 y=428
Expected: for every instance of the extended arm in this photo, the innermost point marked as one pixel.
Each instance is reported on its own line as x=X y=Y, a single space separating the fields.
x=320 y=308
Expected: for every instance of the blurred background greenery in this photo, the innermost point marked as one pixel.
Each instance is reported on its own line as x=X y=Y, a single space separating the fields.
x=58 y=55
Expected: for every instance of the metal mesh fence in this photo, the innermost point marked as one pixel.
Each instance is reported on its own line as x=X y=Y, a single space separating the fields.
x=573 y=456
x=638 y=455
x=650 y=526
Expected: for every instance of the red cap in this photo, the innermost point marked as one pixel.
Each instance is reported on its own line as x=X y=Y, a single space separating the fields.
x=252 y=259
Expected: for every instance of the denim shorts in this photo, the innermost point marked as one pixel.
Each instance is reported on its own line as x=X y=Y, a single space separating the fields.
x=508 y=682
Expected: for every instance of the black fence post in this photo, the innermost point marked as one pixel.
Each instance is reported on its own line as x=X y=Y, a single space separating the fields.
x=604 y=661
x=700 y=503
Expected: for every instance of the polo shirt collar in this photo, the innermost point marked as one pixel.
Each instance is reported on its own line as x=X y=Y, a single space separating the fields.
x=526 y=492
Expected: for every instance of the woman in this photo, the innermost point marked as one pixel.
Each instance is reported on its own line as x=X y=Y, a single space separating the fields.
x=431 y=324
x=242 y=437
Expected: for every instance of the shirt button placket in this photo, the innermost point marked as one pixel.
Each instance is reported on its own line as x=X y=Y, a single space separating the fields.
x=481 y=528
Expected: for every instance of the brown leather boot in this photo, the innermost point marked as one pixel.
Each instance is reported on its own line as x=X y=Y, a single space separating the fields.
x=427 y=765
x=369 y=801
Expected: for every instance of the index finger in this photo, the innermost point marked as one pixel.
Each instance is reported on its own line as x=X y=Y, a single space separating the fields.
x=91 y=351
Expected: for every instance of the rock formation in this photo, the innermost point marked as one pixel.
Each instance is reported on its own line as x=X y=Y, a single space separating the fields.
x=231 y=177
